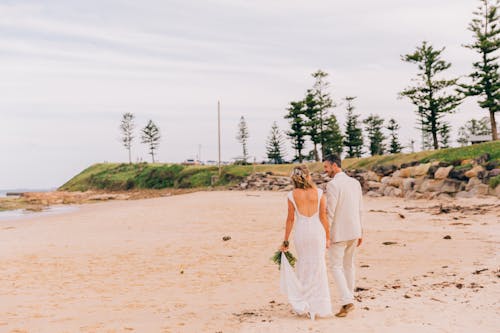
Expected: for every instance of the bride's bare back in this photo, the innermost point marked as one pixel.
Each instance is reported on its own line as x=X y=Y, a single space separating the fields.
x=306 y=201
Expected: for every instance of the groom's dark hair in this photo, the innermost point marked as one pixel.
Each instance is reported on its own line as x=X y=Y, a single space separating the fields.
x=333 y=158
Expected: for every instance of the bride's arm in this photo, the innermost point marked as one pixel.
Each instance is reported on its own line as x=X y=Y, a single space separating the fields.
x=324 y=219
x=289 y=223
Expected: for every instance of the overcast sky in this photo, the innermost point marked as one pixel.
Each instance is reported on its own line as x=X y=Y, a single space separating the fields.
x=70 y=69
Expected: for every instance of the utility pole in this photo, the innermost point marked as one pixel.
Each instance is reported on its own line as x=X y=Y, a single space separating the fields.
x=218 y=122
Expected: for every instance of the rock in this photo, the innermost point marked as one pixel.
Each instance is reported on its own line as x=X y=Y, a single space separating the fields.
x=371 y=176
x=373 y=194
x=384 y=170
x=388 y=191
x=495 y=164
x=226 y=238
x=395 y=181
x=474 y=181
x=244 y=186
x=389 y=243
x=483 y=158
x=459 y=173
x=405 y=173
x=494 y=191
x=374 y=185
x=451 y=186
x=408 y=184
x=474 y=172
x=397 y=192
x=430 y=185
x=420 y=170
x=432 y=170
x=447 y=237
x=481 y=189
x=468 y=161
x=493 y=173
x=385 y=180
x=443 y=172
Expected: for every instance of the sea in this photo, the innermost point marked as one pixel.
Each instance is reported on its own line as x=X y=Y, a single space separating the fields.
x=21 y=213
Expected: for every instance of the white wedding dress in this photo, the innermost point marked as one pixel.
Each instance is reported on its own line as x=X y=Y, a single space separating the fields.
x=307 y=287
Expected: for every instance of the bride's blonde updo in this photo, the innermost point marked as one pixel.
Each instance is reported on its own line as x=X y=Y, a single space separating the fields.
x=301 y=177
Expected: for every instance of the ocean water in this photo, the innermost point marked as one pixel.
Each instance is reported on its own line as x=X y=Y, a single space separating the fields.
x=21 y=213
x=3 y=193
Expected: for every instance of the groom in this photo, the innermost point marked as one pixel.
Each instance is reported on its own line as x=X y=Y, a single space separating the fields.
x=344 y=201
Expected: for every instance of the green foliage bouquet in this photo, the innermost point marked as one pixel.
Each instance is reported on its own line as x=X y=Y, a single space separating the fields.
x=277 y=258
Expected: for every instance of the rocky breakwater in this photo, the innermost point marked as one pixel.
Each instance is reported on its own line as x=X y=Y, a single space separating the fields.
x=268 y=181
x=460 y=179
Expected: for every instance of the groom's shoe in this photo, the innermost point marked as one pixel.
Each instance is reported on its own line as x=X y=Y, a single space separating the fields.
x=345 y=309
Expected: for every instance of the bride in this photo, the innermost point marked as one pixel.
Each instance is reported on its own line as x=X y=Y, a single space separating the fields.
x=306 y=287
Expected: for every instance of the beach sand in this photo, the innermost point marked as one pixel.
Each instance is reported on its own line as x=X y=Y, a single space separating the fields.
x=160 y=265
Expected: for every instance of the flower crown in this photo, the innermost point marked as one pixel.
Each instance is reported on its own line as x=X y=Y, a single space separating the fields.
x=297 y=172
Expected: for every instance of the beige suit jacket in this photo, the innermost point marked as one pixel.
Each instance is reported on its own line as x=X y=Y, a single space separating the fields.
x=344 y=205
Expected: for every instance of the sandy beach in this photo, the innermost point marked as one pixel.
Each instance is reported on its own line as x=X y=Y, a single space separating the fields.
x=160 y=265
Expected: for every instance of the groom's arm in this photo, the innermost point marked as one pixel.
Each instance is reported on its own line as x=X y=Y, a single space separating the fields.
x=332 y=197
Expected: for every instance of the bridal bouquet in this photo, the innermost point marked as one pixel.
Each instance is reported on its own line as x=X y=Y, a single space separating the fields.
x=277 y=258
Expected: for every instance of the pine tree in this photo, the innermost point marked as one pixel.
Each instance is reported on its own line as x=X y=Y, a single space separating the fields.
x=313 y=122
x=444 y=135
x=374 y=125
x=324 y=103
x=485 y=78
x=127 y=128
x=430 y=95
x=242 y=137
x=353 y=138
x=393 y=128
x=333 y=139
x=275 y=145
x=151 y=136
x=297 y=132
x=473 y=127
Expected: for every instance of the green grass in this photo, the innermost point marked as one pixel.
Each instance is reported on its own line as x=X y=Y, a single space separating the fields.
x=495 y=181
x=122 y=176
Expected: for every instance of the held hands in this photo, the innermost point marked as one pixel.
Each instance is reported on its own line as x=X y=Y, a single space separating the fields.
x=284 y=246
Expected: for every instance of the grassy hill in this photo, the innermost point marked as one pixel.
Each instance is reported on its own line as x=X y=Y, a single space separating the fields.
x=121 y=176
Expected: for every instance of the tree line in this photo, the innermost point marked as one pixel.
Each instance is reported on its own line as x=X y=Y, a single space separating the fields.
x=312 y=122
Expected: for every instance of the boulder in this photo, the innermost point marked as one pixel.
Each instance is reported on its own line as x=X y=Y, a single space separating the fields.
x=395 y=181
x=483 y=158
x=405 y=173
x=495 y=164
x=474 y=172
x=371 y=176
x=374 y=185
x=480 y=189
x=420 y=170
x=373 y=194
x=397 y=192
x=493 y=173
x=474 y=181
x=443 y=172
x=408 y=184
x=430 y=185
x=385 y=180
x=388 y=191
x=468 y=161
x=451 y=186
x=459 y=172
